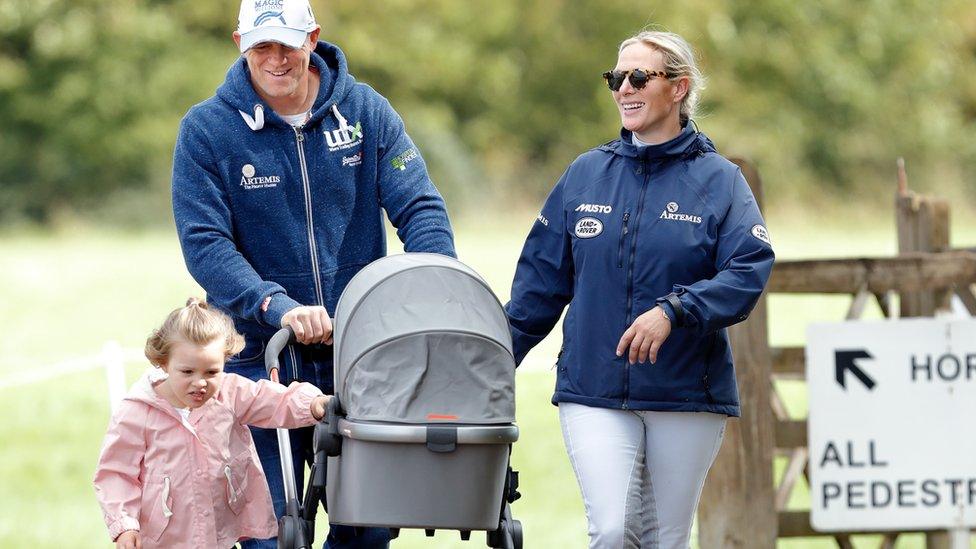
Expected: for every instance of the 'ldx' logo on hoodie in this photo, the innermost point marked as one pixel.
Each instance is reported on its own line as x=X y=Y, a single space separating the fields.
x=344 y=138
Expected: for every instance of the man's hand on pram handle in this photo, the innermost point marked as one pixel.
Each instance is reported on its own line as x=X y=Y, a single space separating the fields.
x=128 y=540
x=319 y=404
x=311 y=324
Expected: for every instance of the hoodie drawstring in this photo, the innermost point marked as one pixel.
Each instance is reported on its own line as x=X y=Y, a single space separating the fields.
x=342 y=120
x=232 y=498
x=166 y=510
x=257 y=122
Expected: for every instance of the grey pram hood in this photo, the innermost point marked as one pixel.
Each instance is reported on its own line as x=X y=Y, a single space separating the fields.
x=421 y=338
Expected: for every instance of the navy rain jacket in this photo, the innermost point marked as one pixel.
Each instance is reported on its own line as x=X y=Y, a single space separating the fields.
x=626 y=229
x=267 y=210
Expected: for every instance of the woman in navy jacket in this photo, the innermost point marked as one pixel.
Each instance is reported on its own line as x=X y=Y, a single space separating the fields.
x=657 y=245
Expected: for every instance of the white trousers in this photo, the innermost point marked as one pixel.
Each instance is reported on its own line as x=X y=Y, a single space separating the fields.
x=641 y=473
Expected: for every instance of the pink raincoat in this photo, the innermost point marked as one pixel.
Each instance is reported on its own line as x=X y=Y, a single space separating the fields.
x=200 y=487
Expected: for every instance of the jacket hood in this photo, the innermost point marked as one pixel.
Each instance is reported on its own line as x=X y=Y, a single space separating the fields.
x=336 y=83
x=142 y=390
x=690 y=142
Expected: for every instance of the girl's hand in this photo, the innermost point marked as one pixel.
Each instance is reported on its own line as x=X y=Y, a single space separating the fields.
x=645 y=336
x=318 y=406
x=128 y=540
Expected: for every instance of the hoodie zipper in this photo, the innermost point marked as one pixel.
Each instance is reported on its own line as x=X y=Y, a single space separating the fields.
x=300 y=143
x=623 y=236
x=641 y=170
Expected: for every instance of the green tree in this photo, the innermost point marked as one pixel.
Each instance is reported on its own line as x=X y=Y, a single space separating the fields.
x=501 y=95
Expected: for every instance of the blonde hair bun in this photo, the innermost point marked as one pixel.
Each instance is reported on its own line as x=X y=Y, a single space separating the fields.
x=195 y=323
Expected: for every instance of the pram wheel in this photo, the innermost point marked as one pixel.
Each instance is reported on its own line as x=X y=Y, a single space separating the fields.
x=286 y=532
x=508 y=535
x=515 y=527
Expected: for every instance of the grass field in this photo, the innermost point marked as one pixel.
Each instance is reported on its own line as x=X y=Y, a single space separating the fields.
x=70 y=292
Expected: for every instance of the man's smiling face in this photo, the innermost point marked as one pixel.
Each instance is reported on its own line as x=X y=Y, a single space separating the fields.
x=277 y=71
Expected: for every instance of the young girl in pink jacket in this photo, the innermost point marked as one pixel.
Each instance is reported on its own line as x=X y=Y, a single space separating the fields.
x=178 y=467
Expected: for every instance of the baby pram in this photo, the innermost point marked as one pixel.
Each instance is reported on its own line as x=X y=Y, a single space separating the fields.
x=420 y=432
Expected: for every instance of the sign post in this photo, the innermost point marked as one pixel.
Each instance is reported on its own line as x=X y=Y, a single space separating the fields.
x=892 y=426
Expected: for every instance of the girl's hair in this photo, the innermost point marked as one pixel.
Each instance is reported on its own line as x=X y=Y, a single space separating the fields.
x=195 y=323
x=679 y=60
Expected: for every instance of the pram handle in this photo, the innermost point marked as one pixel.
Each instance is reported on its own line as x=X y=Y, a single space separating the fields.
x=282 y=338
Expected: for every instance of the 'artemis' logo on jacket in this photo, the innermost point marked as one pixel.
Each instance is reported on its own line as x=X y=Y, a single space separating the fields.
x=671 y=213
x=249 y=181
x=344 y=138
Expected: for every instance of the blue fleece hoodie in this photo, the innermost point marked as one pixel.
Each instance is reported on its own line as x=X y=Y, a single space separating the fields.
x=629 y=228
x=265 y=210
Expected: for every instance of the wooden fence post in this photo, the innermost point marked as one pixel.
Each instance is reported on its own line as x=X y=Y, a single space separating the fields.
x=923 y=226
x=738 y=507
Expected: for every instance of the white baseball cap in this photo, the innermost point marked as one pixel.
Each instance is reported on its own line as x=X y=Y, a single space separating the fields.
x=284 y=21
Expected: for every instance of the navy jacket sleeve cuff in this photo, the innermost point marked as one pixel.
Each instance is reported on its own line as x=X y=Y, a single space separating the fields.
x=279 y=305
x=672 y=306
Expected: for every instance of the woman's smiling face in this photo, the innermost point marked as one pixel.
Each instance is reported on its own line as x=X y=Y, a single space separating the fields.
x=652 y=112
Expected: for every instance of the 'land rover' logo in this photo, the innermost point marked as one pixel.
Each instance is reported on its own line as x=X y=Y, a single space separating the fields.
x=588 y=227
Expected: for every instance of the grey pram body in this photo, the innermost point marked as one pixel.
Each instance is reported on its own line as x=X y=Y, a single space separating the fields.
x=425 y=375
x=423 y=421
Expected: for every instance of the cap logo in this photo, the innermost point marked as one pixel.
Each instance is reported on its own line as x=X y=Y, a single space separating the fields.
x=267 y=16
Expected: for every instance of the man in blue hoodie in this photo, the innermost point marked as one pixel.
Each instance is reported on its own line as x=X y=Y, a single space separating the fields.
x=280 y=182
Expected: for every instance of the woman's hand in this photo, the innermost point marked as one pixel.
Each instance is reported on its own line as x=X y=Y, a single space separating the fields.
x=645 y=336
x=318 y=406
x=128 y=540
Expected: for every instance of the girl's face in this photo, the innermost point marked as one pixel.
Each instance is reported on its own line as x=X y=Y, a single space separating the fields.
x=194 y=373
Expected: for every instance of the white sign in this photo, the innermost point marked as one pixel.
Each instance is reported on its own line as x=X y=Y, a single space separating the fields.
x=892 y=424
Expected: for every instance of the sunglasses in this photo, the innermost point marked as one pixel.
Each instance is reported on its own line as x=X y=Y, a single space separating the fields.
x=638 y=78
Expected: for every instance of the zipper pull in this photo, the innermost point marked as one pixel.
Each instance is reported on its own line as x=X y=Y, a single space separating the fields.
x=626 y=218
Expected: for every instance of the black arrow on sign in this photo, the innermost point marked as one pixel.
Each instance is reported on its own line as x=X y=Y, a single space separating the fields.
x=844 y=361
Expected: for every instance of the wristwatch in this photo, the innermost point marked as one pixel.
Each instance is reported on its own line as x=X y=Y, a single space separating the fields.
x=665 y=314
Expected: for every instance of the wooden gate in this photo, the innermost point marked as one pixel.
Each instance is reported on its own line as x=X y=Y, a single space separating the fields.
x=742 y=505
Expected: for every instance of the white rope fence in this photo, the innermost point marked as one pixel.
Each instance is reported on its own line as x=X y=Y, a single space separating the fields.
x=112 y=359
